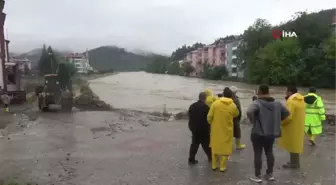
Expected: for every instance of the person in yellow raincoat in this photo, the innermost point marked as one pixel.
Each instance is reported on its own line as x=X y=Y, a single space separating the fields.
x=292 y=128
x=210 y=97
x=220 y=118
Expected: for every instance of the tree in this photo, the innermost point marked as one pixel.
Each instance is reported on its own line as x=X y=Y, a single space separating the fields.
x=188 y=68
x=181 y=52
x=279 y=62
x=174 y=68
x=48 y=61
x=256 y=36
x=327 y=66
x=159 y=64
x=65 y=72
x=26 y=69
x=214 y=72
x=306 y=60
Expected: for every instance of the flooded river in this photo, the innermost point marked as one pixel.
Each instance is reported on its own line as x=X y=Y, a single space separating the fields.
x=152 y=92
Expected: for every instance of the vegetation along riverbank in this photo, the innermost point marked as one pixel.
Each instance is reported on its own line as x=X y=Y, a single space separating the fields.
x=305 y=60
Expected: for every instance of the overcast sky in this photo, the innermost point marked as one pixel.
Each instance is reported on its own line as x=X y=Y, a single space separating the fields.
x=153 y=25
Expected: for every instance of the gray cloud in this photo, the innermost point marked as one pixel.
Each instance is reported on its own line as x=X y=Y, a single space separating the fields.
x=154 y=25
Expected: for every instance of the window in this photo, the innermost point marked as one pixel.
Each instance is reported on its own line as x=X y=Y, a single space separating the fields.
x=11 y=79
x=234 y=52
x=234 y=61
x=234 y=70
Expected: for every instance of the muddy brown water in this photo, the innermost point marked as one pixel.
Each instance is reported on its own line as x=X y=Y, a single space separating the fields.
x=154 y=92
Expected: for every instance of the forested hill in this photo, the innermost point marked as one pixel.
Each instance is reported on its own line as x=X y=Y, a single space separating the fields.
x=118 y=59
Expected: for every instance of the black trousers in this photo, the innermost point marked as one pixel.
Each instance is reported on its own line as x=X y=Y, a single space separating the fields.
x=199 y=139
x=236 y=130
x=261 y=143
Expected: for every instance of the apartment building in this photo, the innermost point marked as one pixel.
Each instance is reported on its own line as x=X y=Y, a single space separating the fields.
x=213 y=55
x=80 y=61
x=231 y=58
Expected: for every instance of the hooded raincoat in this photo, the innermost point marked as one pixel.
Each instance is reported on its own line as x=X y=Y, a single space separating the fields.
x=292 y=128
x=210 y=97
x=220 y=118
x=315 y=114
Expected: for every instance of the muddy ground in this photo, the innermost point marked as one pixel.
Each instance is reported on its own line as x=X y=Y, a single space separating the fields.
x=124 y=147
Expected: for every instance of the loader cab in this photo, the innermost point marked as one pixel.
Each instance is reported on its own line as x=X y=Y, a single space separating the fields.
x=51 y=83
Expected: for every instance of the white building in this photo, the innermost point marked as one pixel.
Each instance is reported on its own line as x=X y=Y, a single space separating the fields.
x=80 y=61
x=231 y=57
x=22 y=63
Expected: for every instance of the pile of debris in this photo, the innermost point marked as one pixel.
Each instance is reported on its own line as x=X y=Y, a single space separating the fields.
x=181 y=115
x=87 y=100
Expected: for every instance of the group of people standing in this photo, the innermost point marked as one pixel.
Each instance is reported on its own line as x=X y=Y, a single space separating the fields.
x=215 y=120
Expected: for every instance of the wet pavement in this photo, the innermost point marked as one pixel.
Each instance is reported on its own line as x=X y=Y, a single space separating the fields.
x=125 y=148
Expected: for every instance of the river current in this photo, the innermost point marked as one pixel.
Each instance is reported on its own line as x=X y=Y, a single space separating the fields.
x=156 y=92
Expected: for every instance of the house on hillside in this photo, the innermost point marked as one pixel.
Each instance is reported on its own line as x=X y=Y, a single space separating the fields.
x=80 y=61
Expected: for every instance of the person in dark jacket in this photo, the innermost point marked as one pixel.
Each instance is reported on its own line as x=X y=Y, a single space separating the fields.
x=199 y=127
x=254 y=97
x=266 y=115
x=236 y=121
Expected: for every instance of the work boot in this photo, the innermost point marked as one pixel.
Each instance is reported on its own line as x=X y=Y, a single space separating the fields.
x=312 y=143
x=312 y=140
x=223 y=161
x=291 y=166
x=239 y=146
x=192 y=161
x=294 y=162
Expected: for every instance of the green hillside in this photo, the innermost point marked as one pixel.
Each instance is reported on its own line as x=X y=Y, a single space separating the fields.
x=118 y=59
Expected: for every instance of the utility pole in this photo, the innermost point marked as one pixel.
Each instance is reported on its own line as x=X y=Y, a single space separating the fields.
x=2 y=44
x=51 y=63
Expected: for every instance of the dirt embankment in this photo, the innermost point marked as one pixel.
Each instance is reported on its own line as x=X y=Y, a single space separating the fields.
x=85 y=99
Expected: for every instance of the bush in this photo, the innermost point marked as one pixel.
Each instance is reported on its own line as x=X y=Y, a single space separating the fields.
x=214 y=72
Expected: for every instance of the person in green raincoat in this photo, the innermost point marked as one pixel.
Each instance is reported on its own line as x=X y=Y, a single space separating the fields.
x=315 y=115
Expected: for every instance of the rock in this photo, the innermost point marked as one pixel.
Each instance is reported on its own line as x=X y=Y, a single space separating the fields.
x=181 y=115
x=74 y=109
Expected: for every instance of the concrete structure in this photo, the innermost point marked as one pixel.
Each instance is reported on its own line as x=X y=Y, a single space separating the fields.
x=231 y=58
x=213 y=55
x=223 y=53
x=22 y=63
x=80 y=61
x=2 y=46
